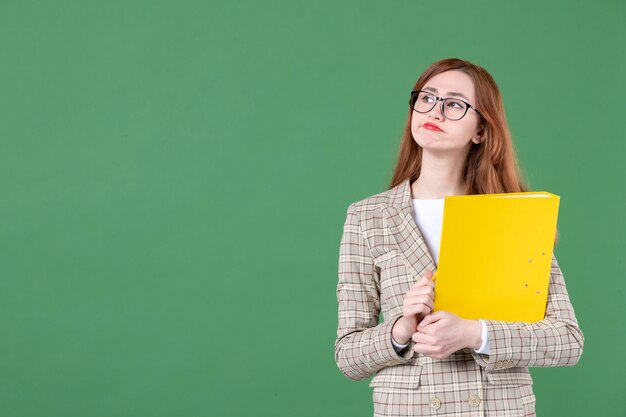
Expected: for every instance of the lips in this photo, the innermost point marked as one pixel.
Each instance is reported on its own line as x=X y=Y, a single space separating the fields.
x=431 y=126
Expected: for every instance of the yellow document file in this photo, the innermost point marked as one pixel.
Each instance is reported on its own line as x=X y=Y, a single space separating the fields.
x=495 y=255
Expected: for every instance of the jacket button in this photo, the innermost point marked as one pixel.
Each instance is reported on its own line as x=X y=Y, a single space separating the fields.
x=474 y=400
x=435 y=403
x=498 y=365
x=467 y=350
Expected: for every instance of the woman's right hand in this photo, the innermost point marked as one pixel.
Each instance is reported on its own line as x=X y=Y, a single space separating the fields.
x=418 y=302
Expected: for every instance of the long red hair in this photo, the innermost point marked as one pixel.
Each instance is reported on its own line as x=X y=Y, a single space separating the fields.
x=491 y=166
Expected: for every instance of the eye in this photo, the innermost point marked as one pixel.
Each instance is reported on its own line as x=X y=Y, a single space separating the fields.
x=455 y=104
x=428 y=99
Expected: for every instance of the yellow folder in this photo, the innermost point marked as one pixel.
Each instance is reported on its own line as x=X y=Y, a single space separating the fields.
x=495 y=255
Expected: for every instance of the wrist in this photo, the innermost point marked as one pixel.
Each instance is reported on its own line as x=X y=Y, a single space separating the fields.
x=399 y=332
x=475 y=330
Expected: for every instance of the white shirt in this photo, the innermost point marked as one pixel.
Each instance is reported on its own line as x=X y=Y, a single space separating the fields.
x=428 y=215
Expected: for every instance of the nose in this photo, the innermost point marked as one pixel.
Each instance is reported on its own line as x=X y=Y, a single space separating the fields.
x=437 y=110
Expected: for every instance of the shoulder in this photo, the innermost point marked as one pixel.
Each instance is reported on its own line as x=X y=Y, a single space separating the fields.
x=368 y=206
x=371 y=202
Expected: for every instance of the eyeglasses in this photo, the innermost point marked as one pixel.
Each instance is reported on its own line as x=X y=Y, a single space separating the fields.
x=451 y=108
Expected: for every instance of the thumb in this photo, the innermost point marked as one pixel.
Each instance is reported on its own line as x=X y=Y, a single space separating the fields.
x=432 y=318
x=427 y=276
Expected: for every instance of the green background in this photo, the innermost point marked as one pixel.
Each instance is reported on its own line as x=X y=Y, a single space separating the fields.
x=174 y=178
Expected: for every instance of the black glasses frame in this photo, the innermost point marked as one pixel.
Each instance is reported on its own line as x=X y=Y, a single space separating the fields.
x=442 y=100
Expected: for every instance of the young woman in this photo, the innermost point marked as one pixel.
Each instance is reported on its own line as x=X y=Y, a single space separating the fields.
x=456 y=142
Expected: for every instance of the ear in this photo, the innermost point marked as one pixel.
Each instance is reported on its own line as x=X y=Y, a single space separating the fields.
x=479 y=135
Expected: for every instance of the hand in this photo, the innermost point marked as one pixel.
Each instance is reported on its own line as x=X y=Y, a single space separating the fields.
x=418 y=302
x=442 y=333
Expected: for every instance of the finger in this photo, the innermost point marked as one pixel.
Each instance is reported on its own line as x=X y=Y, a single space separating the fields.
x=422 y=283
x=418 y=301
x=421 y=289
x=422 y=349
x=422 y=310
x=426 y=350
x=426 y=279
x=418 y=308
x=432 y=318
x=416 y=298
x=428 y=274
x=434 y=352
x=423 y=339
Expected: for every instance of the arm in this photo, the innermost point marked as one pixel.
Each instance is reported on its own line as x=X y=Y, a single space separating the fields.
x=554 y=341
x=363 y=346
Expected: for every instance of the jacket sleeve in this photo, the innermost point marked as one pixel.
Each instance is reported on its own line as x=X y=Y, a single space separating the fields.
x=363 y=346
x=554 y=341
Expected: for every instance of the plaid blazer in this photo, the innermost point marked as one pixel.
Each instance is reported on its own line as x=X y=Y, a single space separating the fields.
x=382 y=253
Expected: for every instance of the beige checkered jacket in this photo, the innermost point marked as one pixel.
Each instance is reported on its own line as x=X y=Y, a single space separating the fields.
x=382 y=253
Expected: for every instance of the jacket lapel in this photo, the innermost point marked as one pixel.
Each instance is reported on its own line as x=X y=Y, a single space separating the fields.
x=408 y=239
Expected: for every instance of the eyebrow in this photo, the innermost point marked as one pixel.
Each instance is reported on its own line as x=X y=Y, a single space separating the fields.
x=450 y=94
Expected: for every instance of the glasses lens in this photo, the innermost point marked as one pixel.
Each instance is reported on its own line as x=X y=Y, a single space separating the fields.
x=454 y=109
x=423 y=102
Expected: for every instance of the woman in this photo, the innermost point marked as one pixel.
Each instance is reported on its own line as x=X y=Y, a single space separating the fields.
x=455 y=142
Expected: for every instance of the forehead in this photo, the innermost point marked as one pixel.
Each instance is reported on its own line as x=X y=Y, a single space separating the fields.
x=447 y=83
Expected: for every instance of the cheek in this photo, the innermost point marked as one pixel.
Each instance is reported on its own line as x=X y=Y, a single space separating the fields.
x=461 y=131
x=414 y=124
x=470 y=126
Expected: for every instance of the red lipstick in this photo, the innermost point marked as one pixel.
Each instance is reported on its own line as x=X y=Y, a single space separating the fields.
x=431 y=126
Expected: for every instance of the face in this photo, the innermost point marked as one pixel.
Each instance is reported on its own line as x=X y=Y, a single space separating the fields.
x=454 y=135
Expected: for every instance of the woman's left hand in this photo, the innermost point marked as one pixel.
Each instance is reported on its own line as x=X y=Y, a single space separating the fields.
x=442 y=333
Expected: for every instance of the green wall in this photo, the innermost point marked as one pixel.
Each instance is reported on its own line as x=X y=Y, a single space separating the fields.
x=174 y=177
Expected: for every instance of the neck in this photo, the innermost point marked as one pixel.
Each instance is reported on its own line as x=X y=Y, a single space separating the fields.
x=439 y=177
